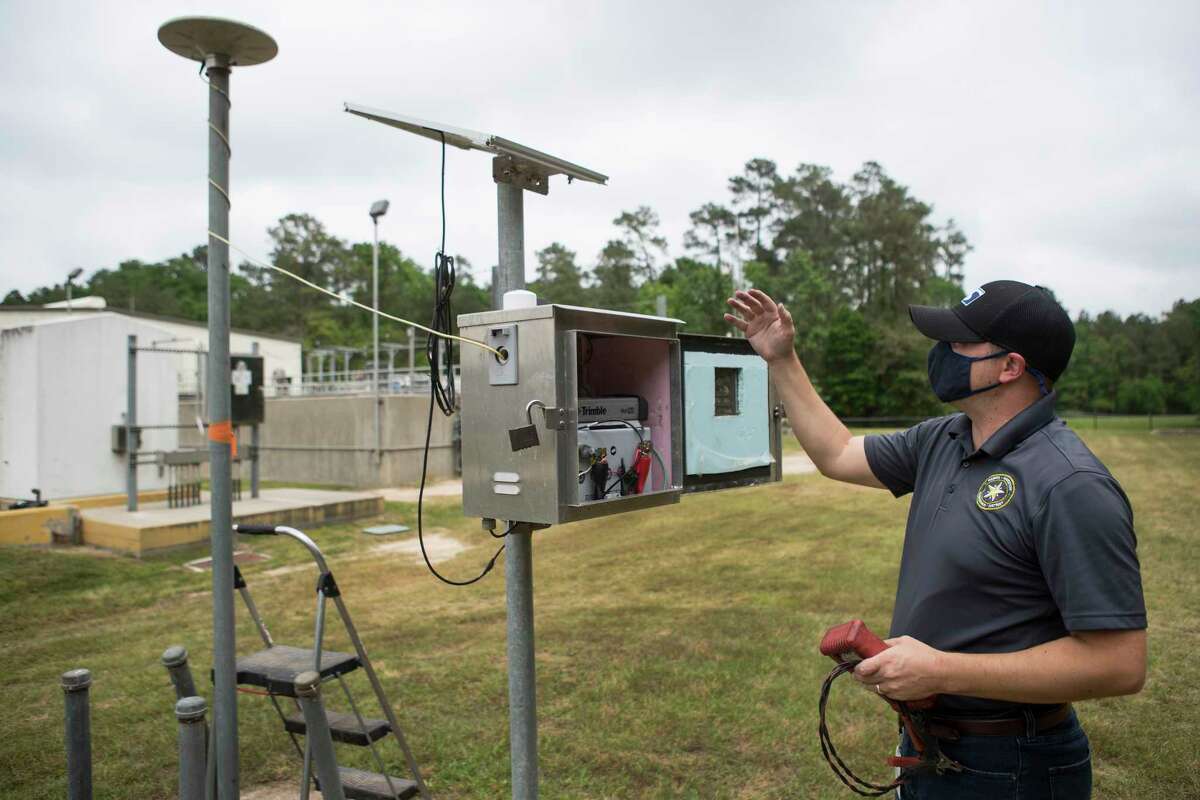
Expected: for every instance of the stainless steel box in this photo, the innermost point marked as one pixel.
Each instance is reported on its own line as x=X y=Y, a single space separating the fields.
x=561 y=353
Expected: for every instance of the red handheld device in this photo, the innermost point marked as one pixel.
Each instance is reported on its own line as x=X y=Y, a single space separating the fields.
x=854 y=641
x=851 y=641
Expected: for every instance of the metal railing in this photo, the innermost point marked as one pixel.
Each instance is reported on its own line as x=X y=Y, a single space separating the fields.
x=358 y=381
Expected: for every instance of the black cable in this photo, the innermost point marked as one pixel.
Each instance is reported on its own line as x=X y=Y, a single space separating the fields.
x=852 y=781
x=443 y=287
x=443 y=317
x=420 y=524
x=442 y=386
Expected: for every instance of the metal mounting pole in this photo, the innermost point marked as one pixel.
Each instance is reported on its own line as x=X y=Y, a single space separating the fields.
x=522 y=677
x=219 y=44
x=510 y=206
x=220 y=466
x=518 y=558
x=131 y=489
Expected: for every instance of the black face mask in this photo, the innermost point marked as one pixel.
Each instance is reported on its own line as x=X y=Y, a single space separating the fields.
x=950 y=373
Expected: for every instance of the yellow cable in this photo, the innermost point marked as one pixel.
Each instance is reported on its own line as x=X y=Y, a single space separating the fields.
x=217 y=131
x=353 y=302
x=224 y=194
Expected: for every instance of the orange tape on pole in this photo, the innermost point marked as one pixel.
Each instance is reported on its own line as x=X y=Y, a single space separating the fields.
x=223 y=432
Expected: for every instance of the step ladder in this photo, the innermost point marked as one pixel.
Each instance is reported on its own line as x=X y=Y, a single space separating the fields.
x=276 y=667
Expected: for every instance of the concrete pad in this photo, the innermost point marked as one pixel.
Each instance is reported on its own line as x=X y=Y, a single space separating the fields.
x=439 y=546
x=154 y=526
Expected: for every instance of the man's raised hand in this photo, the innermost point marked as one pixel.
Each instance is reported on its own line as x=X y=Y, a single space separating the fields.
x=767 y=324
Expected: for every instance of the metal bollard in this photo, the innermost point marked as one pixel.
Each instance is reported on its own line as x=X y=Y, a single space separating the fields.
x=317 y=736
x=210 y=776
x=175 y=659
x=192 y=757
x=75 y=684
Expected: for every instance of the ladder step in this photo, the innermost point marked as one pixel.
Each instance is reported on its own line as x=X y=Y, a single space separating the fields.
x=343 y=727
x=362 y=785
x=275 y=669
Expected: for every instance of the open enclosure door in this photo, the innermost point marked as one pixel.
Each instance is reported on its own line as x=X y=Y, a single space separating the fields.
x=731 y=417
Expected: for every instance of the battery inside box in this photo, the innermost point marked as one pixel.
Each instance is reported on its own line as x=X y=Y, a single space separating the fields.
x=616 y=445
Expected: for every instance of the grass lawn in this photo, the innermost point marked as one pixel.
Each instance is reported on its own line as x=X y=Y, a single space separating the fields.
x=676 y=647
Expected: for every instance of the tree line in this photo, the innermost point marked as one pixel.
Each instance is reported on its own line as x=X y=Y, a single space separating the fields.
x=846 y=256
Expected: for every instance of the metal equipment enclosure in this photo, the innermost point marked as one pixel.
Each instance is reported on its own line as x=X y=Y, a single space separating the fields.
x=703 y=404
x=558 y=355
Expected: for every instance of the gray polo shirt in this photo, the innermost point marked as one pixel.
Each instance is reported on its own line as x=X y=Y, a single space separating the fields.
x=1017 y=543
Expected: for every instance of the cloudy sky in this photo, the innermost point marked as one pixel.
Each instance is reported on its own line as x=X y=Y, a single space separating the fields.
x=1064 y=141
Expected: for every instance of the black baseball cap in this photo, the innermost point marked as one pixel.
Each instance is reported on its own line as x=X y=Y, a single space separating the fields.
x=1016 y=316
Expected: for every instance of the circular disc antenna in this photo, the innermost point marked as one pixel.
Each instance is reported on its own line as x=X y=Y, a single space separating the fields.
x=198 y=38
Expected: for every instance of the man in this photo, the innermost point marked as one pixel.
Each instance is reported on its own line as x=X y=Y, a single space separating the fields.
x=1019 y=588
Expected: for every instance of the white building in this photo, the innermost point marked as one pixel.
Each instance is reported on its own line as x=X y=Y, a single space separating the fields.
x=283 y=363
x=63 y=382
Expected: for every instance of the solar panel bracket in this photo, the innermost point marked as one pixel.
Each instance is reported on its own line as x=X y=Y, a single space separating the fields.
x=524 y=174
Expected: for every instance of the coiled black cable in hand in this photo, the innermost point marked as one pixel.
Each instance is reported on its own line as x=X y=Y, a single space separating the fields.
x=853 y=782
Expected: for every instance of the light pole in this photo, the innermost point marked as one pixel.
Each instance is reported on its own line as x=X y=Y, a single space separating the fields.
x=72 y=275
x=378 y=209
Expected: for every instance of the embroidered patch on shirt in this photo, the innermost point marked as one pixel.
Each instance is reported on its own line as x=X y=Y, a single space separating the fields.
x=996 y=491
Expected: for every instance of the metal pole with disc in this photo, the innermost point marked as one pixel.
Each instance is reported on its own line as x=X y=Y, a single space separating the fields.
x=220 y=44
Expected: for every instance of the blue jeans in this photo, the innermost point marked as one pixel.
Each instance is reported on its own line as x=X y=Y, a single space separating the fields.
x=1055 y=764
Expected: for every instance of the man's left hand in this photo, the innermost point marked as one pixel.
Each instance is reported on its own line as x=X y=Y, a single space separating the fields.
x=907 y=670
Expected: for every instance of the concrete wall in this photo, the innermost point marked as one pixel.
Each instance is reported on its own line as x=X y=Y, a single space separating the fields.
x=62 y=388
x=330 y=440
